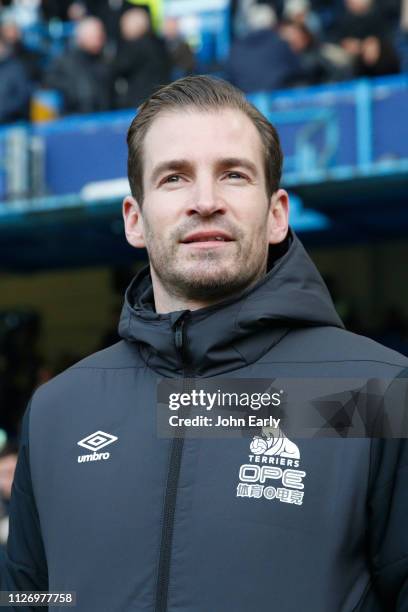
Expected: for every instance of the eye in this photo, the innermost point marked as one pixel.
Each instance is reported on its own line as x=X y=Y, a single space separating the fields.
x=235 y=175
x=173 y=178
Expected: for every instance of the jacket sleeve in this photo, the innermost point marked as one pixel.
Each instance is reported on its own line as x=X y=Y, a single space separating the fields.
x=25 y=564
x=388 y=509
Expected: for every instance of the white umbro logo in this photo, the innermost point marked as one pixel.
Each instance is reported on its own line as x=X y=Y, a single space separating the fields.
x=97 y=440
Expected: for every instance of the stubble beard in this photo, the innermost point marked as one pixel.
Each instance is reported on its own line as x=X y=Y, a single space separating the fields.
x=215 y=276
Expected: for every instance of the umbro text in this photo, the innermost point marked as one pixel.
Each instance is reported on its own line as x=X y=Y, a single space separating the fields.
x=93 y=457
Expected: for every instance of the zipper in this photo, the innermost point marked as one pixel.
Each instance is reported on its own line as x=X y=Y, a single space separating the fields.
x=173 y=475
x=179 y=337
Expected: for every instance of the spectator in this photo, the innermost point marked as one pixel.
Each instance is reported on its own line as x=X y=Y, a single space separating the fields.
x=363 y=33
x=261 y=60
x=240 y=14
x=182 y=57
x=82 y=74
x=359 y=19
x=109 y=13
x=377 y=57
x=142 y=61
x=15 y=88
x=155 y=10
x=31 y=60
x=300 y=11
x=315 y=59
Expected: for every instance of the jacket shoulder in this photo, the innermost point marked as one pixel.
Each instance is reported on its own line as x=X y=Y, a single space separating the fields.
x=122 y=354
x=82 y=375
x=333 y=344
x=355 y=347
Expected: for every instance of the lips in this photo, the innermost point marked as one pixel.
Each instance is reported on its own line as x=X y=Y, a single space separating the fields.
x=208 y=236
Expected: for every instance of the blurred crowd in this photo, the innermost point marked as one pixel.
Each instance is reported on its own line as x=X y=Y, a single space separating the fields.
x=315 y=41
x=97 y=56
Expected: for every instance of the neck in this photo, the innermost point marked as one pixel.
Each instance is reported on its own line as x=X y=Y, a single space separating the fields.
x=166 y=302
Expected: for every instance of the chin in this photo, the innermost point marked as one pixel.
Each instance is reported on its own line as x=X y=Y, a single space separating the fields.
x=217 y=275
x=201 y=286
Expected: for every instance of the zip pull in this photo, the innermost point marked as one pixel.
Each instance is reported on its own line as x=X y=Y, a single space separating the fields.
x=179 y=335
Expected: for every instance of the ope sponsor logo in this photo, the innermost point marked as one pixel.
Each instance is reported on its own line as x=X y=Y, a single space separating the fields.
x=95 y=442
x=272 y=447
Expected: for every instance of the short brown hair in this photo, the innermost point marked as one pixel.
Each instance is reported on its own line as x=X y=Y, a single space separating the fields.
x=205 y=93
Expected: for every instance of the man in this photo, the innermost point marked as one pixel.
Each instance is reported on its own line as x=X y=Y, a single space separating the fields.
x=142 y=62
x=131 y=520
x=31 y=59
x=261 y=60
x=82 y=75
x=365 y=33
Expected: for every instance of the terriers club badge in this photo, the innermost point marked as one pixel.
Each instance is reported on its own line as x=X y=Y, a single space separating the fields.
x=272 y=471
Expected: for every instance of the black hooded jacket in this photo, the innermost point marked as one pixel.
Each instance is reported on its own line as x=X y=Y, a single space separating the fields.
x=132 y=521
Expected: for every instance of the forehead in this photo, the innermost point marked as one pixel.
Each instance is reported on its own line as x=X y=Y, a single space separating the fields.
x=201 y=136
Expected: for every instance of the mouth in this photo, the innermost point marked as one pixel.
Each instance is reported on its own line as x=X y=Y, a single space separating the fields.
x=207 y=239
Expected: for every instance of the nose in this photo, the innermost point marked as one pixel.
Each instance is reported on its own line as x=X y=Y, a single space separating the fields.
x=206 y=201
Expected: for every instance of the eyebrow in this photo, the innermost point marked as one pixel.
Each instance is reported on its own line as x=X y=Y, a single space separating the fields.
x=178 y=165
x=241 y=162
x=174 y=165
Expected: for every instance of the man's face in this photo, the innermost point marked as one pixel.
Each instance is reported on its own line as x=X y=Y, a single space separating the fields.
x=92 y=37
x=206 y=218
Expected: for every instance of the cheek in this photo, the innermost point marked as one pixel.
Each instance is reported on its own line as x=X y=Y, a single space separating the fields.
x=158 y=220
x=258 y=232
x=254 y=216
x=161 y=236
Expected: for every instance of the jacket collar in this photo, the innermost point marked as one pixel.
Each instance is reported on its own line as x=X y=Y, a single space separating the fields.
x=235 y=332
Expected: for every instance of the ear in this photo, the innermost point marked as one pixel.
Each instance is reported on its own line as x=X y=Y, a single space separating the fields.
x=133 y=220
x=278 y=220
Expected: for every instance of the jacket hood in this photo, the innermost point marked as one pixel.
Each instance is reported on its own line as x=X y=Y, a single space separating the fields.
x=234 y=332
